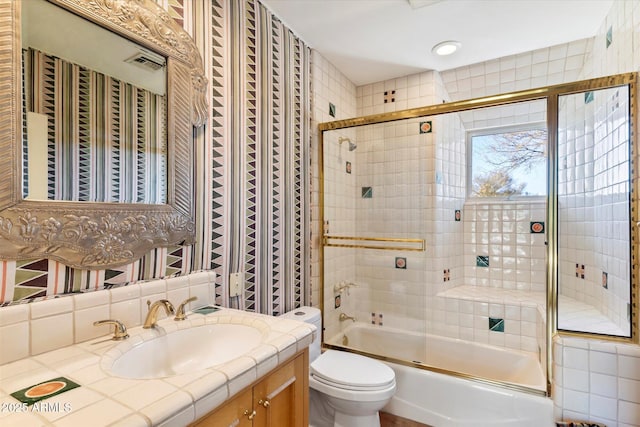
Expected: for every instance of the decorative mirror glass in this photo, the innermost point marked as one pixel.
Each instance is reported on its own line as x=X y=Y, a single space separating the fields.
x=102 y=182
x=95 y=118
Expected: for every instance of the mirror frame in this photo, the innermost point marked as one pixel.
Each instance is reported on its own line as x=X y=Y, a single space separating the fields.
x=88 y=235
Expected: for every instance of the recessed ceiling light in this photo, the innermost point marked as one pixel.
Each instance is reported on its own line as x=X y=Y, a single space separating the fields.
x=446 y=48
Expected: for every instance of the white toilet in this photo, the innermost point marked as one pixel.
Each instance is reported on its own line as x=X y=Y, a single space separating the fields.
x=346 y=390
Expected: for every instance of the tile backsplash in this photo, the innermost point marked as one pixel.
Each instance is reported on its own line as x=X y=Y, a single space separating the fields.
x=30 y=329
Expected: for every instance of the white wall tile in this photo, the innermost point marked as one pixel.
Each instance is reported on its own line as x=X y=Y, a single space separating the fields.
x=51 y=332
x=14 y=314
x=629 y=412
x=124 y=293
x=603 y=362
x=14 y=342
x=127 y=312
x=629 y=390
x=51 y=307
x=83 y=322
x=629 y=367
x=603 y=385
x=90 y=299
x=576 y=401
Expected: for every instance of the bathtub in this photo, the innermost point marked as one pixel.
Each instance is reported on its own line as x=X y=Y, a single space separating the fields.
x=442 y=400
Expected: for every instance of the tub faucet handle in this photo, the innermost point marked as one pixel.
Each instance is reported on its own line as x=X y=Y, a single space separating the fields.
x=344 y=317
x=343 y=285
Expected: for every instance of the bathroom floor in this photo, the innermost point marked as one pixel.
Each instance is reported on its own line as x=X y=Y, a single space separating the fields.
x=390 y=420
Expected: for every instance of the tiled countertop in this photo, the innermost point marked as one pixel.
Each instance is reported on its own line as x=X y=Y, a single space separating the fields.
x=105 y=400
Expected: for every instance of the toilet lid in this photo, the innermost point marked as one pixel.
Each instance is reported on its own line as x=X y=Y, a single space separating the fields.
x=351 y=370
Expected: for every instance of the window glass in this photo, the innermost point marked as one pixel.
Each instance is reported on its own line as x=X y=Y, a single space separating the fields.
x=507 y=162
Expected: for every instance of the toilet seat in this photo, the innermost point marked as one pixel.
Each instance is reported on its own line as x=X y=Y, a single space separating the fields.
x=349 y=371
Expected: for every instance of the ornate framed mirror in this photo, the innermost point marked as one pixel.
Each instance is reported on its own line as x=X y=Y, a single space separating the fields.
x=85 y=231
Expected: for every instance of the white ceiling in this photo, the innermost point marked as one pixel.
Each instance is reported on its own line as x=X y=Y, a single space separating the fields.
x=375 y=40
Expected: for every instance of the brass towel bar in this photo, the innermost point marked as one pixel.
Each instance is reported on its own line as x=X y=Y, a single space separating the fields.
x=416 y=245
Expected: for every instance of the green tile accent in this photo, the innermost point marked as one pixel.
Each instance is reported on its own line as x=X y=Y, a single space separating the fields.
x=367 y=192
x=332 y=110
x=588 y=97
x=496 y=325
x=482 y=261
x=609 y=36
x=44 y=390
x=206 y=309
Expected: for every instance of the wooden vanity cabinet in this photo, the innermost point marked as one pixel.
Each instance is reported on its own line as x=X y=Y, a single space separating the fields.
x=279 y=399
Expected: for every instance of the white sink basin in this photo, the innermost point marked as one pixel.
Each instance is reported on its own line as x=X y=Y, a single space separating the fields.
x=186 y=350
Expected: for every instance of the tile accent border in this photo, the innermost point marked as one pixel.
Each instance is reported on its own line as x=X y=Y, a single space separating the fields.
x=44 y=390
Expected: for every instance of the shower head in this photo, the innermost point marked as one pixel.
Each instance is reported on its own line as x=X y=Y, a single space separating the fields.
x=352 y=145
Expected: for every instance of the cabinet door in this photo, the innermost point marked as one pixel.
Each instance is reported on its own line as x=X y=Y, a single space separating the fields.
x=281 y=399
x=231 y=413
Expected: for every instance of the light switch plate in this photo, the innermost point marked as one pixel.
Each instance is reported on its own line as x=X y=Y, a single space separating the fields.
x=235 y=284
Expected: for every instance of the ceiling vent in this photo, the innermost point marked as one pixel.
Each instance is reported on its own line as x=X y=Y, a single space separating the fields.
x=147 y=60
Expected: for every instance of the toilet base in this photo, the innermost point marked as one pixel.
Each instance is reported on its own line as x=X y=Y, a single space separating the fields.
x=346 y=420
x=322 y=414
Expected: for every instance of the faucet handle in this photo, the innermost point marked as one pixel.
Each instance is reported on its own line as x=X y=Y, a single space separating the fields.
x=119 y=332
x=180 y=311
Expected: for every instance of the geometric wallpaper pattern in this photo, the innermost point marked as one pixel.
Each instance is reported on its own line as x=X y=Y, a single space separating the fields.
x=260 y=126
x=258 y=157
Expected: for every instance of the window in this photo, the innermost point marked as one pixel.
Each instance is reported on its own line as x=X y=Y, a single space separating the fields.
x=507 y=162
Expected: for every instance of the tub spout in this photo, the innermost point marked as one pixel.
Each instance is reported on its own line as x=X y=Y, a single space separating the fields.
x=344 y=317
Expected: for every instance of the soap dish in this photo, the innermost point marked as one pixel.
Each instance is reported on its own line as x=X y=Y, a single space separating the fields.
x=207 y=309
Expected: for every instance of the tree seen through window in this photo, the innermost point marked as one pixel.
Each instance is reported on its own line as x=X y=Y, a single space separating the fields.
x=509 y=163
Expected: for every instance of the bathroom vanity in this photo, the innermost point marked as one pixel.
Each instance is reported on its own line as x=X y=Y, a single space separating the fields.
x=279 y=399
x=78 y=384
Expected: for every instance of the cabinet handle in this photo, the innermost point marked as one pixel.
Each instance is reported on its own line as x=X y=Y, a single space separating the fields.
x=264 y=403
x=250 y=415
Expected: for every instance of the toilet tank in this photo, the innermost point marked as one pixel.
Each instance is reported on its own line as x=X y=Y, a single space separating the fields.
x=309 y=315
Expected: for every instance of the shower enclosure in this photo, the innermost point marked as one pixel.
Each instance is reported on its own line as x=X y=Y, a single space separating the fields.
x=459 y=221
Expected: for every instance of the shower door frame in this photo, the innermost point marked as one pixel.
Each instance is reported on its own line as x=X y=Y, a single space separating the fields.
x=551 y=94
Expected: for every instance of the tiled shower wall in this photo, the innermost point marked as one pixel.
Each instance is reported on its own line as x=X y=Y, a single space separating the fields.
x=593 y=174
x=409 y=183
x=599 y=380
x=333 y=99
x=501 y=234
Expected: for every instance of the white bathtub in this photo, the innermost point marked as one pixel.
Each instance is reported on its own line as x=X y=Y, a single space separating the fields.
x=442 y=400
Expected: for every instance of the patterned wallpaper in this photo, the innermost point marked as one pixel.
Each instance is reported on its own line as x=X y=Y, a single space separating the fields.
x=252 y=163
x=260 y=121
x=107 y=143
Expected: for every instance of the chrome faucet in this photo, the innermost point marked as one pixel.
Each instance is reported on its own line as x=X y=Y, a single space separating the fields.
x=344 y=317
x=180 y=310
x=152 y=315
